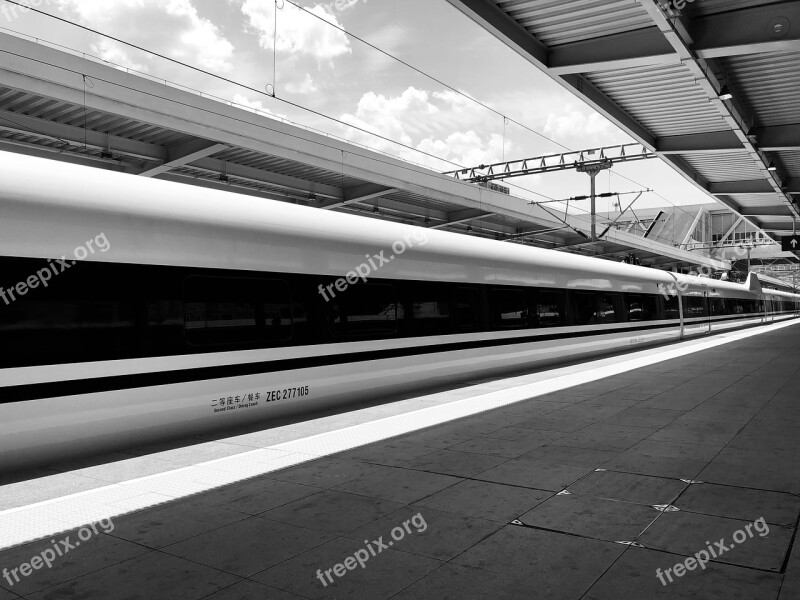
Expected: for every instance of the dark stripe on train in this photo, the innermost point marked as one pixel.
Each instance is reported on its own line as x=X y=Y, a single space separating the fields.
x=105 y=384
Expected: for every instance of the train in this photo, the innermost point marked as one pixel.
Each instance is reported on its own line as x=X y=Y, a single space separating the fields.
x=135 y=310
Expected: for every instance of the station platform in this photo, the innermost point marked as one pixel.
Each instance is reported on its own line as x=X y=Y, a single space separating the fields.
x=664 y=473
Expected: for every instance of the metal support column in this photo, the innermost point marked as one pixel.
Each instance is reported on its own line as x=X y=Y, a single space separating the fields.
x=592 y=170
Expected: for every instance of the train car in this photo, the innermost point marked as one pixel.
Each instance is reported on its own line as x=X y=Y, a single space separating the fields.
x=134 y=310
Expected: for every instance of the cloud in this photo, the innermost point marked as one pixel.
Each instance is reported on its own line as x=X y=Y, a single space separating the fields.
x=343 y=5
x=307 y=86
x=573 y=124
x=299 y=33
x=467 y=148
x=172 y=27
x=443 y=124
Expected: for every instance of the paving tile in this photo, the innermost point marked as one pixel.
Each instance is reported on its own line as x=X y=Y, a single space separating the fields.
x=254 y=496
x=555 y=422
x=632 y=461
x=697 y=432
x=496 y=447
x=173 y=522
x=634 y=577
x=567 y=455
x=382 y=576
x=700 y=452
x=250 y=590
x=452 y=462
x=767 y=439
x=93 y=555
x=605 y=437
x=688 y=533
x=325 y=472
x=728 y=414
x=392 y=453
x=403 y=485
x=628 y=487
x=522 y=434
x=621 y=401
x=542 y=475
x=554 y=564
x=427 y=532
x=769 y=470
x=332 y=511
x=485 y=500
x=153 y=575
x=790 y=590
x=6 y=595
x=454 y=582
x=431 y=438
x=247 y=547
x=591 y=517
x=676 y=399
x=468 y=427
x=741 y=503
x=645 y=417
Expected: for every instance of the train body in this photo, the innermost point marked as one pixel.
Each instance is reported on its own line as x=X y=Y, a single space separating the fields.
x=171 y=310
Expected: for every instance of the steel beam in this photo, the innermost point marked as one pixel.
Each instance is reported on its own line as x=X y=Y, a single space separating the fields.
x=621 y=51
x=760 y=212
x=746 y=31
x=771 y=28
x=78 y=136
x=753 y=186
x=182 y=154
x=462 y=216
x=360 y=193
x=267 y=177
x=778 y=138
x=712 y=142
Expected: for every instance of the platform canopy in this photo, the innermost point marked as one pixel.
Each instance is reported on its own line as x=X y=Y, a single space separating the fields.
x=68 y=106
x=711 y=86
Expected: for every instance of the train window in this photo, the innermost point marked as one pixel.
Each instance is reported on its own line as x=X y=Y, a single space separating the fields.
x=509 y=309
x=649 y=308
x=694 y=306
x=227 y=310
x=468 y=304
x=550 y=308
x=641 y=308
x=431 y=307
x=633 y=304
x=585 y=304
x=364 y=309
x=671 y=310
x=606 y=308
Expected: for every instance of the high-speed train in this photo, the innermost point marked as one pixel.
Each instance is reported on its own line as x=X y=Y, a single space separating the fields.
x=133 y=310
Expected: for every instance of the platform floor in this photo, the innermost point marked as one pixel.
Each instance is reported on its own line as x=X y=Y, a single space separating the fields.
x=572 y=495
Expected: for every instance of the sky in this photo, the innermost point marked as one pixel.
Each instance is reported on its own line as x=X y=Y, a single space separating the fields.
x=310 y=63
